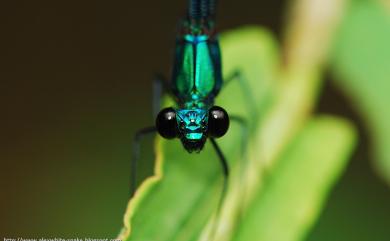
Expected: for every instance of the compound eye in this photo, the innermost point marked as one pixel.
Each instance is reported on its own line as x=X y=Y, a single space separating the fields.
x=166 y=123
x=218 y=122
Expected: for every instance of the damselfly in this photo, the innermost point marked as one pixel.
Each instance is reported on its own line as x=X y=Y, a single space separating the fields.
x=196 y=81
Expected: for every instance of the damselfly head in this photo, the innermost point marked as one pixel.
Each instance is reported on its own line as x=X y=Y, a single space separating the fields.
x=192 y=126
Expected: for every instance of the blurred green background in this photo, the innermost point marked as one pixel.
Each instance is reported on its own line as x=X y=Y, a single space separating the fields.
x=76 y=84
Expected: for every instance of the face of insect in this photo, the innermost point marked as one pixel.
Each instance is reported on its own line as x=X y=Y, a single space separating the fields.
x=192 y=126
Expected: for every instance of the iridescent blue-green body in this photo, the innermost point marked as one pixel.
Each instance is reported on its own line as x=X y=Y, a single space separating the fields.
x=196 y=81
x=197 y=76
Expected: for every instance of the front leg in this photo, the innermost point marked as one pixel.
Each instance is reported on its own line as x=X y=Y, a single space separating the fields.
x=242 y=122
x=245 y=89
x=160 y=86
x=140 y=134
x=225 y=172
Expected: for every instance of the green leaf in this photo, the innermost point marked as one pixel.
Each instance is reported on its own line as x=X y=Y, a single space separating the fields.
x=296 y=189
x=361 y=63
x=179 y=205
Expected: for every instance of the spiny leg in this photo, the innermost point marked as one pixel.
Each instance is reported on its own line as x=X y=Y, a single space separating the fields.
x=225 y=170
x=160 y=86
x=244 y=138
x=135 y=155
x=245 y=88
x=231 y=77
x=224 y=163
x=242 y=122
x=253 y=112
x=242 y=167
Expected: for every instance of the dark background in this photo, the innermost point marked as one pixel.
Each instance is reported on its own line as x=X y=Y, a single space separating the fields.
x=75 y=84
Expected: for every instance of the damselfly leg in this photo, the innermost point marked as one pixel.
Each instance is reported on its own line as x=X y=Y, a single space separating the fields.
x=138 y=137
x=225 y=171
x=244 y=130
x=160 y=87
x=244 y=87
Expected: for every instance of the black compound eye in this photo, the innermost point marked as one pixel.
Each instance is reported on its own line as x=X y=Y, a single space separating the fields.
x=218 y=122
x=166 y=123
